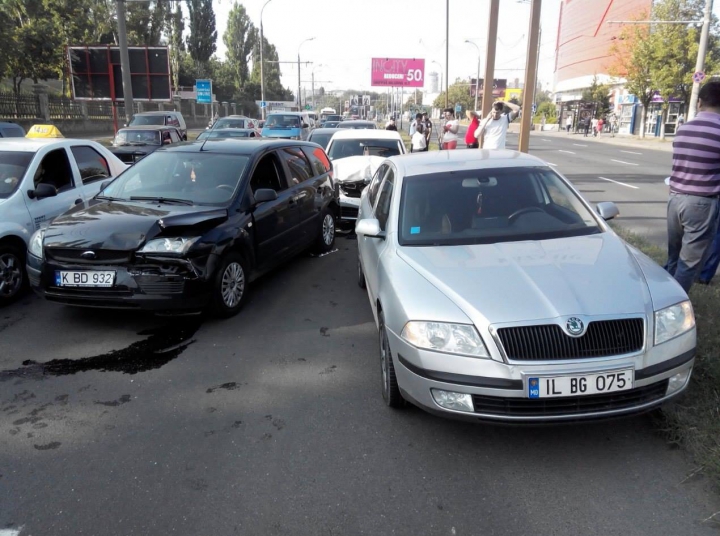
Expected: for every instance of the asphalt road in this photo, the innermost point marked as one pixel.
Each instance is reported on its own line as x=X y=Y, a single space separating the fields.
x=272 y=422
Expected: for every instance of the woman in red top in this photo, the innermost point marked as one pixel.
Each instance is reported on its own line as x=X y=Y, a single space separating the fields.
x=470 y=139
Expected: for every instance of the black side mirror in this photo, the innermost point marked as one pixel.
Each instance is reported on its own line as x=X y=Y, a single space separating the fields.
x=42 y=191
x=305 y=125
x=263 y=195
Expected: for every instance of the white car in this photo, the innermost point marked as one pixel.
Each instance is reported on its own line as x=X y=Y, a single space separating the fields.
x=500 y=294
x=39 y=180
x=356 y=155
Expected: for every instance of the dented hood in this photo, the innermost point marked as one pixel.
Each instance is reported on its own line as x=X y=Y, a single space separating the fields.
x=126 y=225
x=356 y=168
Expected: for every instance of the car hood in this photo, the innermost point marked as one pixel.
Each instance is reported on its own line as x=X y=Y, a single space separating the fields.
x=525 y=281
x=356 y=168
x=126 y=226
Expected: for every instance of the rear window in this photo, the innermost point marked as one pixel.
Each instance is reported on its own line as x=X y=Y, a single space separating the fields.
x=320 y=138
x=12 y=170
x=139 y=120
x=283 y=121
x=10 y=132
x=137 y=137
x=346 y=148
x=318 y=160
x=230 y=123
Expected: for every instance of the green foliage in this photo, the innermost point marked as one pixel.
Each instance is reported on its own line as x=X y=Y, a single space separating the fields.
x=239 y=38
x=201 y=43
x=547 y=109
x=145 y=22
x=599 y=94
x=174 y=27
x=273 y=86
x=457 y=93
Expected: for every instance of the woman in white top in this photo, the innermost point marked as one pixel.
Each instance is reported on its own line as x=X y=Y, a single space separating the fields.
x=450 y=130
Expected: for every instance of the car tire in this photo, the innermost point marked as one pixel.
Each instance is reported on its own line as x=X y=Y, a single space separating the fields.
x=390 y=389
x=13 y=279
x=325 y=240
x=360 y=275
x=230 y=286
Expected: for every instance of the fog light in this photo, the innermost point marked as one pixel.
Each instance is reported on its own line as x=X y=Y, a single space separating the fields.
x=455 y=401
x=677 y=382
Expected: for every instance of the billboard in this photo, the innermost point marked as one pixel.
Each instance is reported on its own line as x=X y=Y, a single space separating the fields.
x=499 y=87
x=96 y=74
x=397 y=72
x=203 y=90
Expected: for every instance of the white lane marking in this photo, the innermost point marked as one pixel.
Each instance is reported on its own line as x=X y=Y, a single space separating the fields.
x=543 y=139
x=629 y=152
x=579 y=144
x=623 y=162
x=568 y=152
x=10 y=532
x=550 y=164
x=620 y=183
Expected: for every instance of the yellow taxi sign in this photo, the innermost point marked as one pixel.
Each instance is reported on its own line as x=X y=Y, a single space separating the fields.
x=44 y=131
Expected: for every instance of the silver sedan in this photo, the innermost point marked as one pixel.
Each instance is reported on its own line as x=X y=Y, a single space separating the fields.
x=500 y=294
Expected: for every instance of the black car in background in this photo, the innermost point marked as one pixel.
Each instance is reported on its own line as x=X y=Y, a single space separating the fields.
x=322 y=136
x=135 y=143
x=245 y=133
x=189 y=227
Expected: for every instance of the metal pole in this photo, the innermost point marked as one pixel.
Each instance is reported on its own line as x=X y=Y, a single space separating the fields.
x=477 y=80
x=124 y=61
x=298 y=99
x=313 y=89
x=490 y=57
x=700 y=63
x=447 y=48
x=530 y=76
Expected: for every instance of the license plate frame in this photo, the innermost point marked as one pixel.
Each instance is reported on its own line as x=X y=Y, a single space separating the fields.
x=545 y=386
x=85 y=278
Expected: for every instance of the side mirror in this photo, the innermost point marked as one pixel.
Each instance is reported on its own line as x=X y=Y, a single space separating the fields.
x=42 y=191
x=305 y=125
x=607 y=210
x=370 y=228
x=263 y=195
x=105 y=184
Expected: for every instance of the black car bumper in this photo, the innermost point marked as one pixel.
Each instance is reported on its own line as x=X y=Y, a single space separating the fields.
x=175 y=286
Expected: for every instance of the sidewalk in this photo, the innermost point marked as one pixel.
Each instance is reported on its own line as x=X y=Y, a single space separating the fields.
x=622 y=140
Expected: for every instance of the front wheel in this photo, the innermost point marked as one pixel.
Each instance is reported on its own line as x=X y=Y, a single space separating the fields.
x=390 y=389
x=230 y=286
x=326 y=236
x=12 y=274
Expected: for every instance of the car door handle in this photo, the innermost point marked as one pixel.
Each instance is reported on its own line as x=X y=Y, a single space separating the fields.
x=298 y=197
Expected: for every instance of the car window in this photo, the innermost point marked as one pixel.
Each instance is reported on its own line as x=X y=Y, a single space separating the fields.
x=375 y=183
x=55 y=170
x=322 y=139
x=137 y=137
x=174 y=136
x=155 y=120
x=92 y=165
x=11 y=133
x=486 y=206
x=318 y=160
x=382 y=211
x=268 y=174
x=281 y=121
x=172 y=121
x=343 y=148
x=13 y=166
x=298 y=165
x=230 y=123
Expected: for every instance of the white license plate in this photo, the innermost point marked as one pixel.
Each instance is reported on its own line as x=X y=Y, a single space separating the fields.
x=580 y=384
x=84 y=279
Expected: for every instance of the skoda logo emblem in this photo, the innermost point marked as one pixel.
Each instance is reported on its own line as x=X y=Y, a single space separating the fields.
x=90 y=255
x=575 y=326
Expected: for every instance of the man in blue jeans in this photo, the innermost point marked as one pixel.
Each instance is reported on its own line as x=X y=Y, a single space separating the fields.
x=712 y=262
x=692 y=213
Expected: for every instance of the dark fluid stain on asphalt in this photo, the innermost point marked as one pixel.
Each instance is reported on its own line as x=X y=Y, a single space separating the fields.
x=49 y=446
x=124 y=399
x=324 y=331
x=162 y=346
x=231 y=386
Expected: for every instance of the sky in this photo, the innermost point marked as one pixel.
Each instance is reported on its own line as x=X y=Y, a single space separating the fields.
x=349 y=33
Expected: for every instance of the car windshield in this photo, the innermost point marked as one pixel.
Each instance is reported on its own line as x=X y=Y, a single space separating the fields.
x=283 y=121
x=360 y=125
x=489 y=206
x=369 y=147
x=321 y=138
x=210 y=134
x=230 y=123
x=199 y=178
x=331 y=124
x=12 y=170
x=11 y=133
x=137 y=137
x=335 y=117
x=139 y=120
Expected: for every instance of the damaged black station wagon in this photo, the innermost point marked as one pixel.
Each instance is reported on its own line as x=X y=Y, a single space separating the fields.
x=188 y=227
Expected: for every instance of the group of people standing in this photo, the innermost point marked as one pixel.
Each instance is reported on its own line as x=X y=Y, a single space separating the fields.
x=491 y=132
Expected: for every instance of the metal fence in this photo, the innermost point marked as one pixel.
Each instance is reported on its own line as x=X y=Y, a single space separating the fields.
x=63 y=108
x=19 y=106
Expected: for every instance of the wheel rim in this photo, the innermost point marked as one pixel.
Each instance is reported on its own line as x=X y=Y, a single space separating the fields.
x=10 y=275
x=233 y=284
x=328 y=229
x=384 y=359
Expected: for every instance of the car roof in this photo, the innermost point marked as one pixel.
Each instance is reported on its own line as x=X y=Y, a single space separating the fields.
x=230 y=130
x=234 y=117
x=149 y=127
x=9 y=124
x=157 y=113
x=33 y=145
x=366 y=134
x=285 y=113
x=430 y=162
x=325 y=130
x=230 y=146
x=358 y=122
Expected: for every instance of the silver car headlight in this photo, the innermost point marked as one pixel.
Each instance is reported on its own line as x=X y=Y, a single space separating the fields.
x=673 y=321
x=460 y=339
x=35 y=247
x=174 y=246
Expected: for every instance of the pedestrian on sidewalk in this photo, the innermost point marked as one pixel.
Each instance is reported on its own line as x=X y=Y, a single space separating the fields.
x=450 y=130
x=494 y=128
x=390 y=125
x=692 y=213
x=594 y=123
x=542 y=123
x=600 y=125
x=418 y=141
x=413 y=128
x=680 y=120
x=568 y=122
x=427 y=124
x=470 y=140
x=586 y=127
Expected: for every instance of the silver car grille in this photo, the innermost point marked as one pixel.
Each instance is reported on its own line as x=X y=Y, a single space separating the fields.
x=603 y=338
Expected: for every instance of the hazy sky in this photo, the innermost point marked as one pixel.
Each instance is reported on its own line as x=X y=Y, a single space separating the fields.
x=348 y=34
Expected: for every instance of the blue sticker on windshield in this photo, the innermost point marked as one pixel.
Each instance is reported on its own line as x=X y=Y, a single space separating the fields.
x=414 y=230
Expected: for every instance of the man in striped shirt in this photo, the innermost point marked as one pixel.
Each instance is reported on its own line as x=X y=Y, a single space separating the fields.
x=692 y=213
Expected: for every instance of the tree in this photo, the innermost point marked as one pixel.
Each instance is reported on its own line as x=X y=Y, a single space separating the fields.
x=201 y=42
x=599 y=95
x=548 y=110
x=239 y=38
x=457 y=93
x=174 y=27
x=274 y=89
x=145 y=22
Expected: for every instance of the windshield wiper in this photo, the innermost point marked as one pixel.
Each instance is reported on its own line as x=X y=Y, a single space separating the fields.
x=109 y=198
x=168 y=200
x=138 y=143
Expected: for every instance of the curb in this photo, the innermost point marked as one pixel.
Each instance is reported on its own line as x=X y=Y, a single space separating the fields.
x=621 y=140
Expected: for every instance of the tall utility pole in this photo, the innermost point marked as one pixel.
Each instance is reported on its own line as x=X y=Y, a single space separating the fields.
x=530 y=76
x=298 y=65
x=262 y=46
x=700 y=63
x=124 y=61
x=447 y=48
x=490 y=57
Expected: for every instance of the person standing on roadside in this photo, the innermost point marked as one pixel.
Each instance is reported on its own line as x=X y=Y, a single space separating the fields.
x=450 y=130
x=600 y=125
x=568 y=122
x=417 y=142
x=428 y=130
x=391 y=125
x=470 y=140
x=692 y=211
x=414 y=126
x=494 y=127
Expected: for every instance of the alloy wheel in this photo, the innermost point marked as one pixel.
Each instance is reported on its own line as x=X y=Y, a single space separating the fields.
x=328 y=229
x=233 y=284
x=11 y=276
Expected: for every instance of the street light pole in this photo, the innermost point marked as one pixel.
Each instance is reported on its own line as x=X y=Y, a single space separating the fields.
x=262 y=72
x=298 y=63
x=700 y=63
x=477 y=79
x=447 y=48
x=124 y=61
